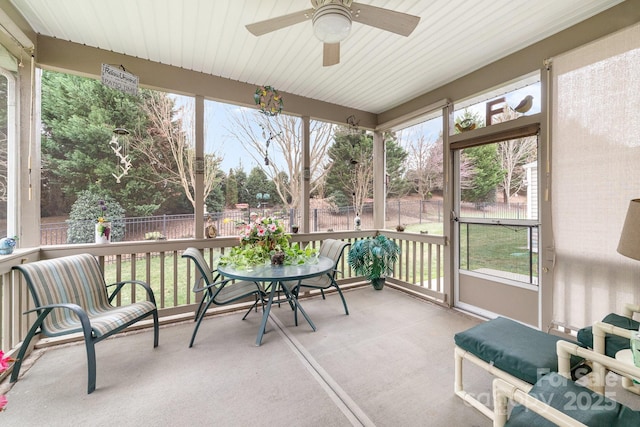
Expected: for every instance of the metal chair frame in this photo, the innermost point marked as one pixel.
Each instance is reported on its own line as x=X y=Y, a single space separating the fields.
x=333 y=249
x=77 y=300
x=218 y=290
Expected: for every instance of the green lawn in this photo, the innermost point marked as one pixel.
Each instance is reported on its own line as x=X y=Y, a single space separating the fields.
x=482 y=247
x=175 y=294
x=502 y=248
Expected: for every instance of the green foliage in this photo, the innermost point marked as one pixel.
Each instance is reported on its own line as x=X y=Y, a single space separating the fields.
x=241 y=179
x=498 y=248
x=352 y=172
x=374 y=257
x=231 y=189
x=347 y=152
x=338 y=199
x=260 y=240
x=144 y=210
x=215 y=200
x=486 y=174
x=78 y=118
x=469 y=116
x=85 y=212
x=258 y=183
x=396 y=157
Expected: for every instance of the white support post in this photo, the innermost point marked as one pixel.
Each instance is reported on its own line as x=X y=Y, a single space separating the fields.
x=200 y=168
x=305 y=187
x=379 y=180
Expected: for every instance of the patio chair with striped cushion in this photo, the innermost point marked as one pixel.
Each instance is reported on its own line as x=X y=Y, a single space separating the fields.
x=70 y=296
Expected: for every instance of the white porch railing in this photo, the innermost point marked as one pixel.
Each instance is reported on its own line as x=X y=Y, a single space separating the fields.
x=420 y=270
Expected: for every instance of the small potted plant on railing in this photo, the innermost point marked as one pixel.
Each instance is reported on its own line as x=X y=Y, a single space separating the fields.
x=373 y=258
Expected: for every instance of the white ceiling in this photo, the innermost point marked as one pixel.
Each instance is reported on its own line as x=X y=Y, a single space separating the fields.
x=378 y=70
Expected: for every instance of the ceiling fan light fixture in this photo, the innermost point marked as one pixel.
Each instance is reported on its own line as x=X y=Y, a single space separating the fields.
x=332 y=23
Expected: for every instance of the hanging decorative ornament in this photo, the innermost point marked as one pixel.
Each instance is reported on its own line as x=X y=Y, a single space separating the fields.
x=121 y=151
x=269 y=100
x=353 y=124
x=267 y=142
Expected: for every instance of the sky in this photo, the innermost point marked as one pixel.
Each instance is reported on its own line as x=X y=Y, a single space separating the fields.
x=219 y=141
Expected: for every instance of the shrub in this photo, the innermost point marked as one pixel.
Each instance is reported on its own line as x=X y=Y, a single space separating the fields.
x=337 y=199
x=85 y=213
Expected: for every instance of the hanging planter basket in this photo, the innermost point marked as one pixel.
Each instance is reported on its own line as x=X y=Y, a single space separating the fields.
x=269 y=101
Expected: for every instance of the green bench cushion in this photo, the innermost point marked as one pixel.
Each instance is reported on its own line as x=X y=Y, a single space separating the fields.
x=519 y=350
x=612 y=343
x=578 y=402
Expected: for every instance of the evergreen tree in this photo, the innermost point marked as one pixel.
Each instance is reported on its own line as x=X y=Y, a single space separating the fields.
x=481 y=172
x=258 y=183
x=231 y=189
x=79 y=116
x=486 y=174
x=351 y=167
x=396 y=160
x=241 y=179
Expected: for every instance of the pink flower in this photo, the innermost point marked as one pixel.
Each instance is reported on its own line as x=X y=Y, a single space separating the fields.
x=4 y=361
x=272 y=227
x=261 y=231
x=3 y=403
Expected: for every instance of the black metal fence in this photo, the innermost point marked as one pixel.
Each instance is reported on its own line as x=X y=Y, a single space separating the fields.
x=227 y=223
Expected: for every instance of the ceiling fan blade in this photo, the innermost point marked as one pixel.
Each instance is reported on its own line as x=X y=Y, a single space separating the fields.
x=273 y=24
x=330 y=54
x=385 y=19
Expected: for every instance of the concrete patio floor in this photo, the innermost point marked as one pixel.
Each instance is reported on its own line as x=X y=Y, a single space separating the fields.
x=389 y=363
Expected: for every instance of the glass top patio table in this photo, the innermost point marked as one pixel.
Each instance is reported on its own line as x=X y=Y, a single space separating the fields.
x=277 y=275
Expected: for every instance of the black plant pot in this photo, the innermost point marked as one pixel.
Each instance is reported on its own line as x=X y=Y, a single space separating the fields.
x=378 y=283
x=277 y=258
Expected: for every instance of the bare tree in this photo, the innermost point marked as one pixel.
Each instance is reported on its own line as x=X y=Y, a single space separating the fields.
x=170 y=147
x=361 y=179
x=514 y=154
x=424 y=164
x=350 y=181
x=276 y=143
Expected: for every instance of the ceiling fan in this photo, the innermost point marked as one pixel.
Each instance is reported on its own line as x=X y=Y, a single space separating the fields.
x=332 y=23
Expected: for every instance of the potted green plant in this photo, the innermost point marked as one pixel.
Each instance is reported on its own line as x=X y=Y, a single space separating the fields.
x=373 y=258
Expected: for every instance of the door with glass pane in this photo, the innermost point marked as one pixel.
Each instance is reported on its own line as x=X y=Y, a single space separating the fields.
x=496 y=225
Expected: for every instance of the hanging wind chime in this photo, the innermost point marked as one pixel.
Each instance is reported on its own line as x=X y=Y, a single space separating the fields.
x=270 y=104
x=267 y=143
x=121 y=151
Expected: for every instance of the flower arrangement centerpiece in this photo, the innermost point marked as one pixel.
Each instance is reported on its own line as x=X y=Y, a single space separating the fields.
x=103 y=226
x=265 y=241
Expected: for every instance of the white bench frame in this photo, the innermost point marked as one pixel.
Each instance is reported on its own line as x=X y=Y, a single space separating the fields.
x=459 y=356
x=503 y=390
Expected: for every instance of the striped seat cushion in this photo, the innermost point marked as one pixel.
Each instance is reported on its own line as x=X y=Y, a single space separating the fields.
x=106 y=322
x=77 y=280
